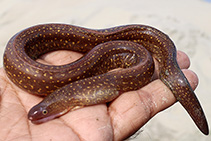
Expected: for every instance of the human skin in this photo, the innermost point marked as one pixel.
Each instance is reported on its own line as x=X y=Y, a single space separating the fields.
x=114 y=121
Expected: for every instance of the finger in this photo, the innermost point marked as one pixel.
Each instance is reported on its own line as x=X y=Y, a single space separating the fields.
x=183 y=60
x=132 y=110
x=192 y=78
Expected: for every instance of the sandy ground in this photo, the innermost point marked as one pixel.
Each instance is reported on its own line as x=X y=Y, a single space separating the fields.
x=187 y=22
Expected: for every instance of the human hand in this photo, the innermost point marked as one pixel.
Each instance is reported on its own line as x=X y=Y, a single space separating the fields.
x=115 y=121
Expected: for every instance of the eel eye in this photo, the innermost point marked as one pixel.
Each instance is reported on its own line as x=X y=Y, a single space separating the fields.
x=44 y=112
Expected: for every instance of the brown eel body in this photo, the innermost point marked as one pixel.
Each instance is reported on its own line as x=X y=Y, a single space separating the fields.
x=88 y=80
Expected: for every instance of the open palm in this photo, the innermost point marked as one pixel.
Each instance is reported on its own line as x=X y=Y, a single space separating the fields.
x=115 y=121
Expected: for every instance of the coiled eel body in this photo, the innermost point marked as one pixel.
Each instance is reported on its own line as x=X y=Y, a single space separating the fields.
x=89 y=81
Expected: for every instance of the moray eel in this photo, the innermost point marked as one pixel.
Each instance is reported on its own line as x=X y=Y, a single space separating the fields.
x=88 y=80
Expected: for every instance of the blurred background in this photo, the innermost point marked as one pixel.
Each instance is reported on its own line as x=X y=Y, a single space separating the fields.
x=187 y=22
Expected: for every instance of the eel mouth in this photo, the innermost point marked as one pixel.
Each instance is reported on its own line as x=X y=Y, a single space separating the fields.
x=42 y=120
x=36 y=120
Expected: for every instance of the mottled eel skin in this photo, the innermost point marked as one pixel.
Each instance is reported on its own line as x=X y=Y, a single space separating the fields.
x=89 y=80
